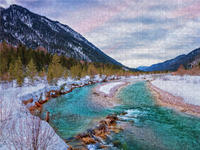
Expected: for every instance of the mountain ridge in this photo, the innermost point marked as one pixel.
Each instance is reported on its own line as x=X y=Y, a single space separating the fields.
x=19 y=25
x=187 y=60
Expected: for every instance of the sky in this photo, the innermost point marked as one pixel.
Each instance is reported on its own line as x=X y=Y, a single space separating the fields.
x=134 y=32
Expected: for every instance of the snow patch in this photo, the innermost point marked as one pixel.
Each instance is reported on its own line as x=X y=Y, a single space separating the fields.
x=187 y=87
x=107 y=87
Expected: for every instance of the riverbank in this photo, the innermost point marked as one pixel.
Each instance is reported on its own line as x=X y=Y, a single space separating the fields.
x=91 y=122
x=15 y=101
x=105 y=95
x=167 y=99
x=143 y=124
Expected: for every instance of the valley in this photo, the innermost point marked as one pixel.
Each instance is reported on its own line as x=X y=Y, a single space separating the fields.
x=59 y=91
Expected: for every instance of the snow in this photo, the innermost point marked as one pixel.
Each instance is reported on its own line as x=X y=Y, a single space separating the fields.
x=50 y=23
x=69 y=30
x=20 y=128
x=14 y=113
x=63 y=27
x=98 y=78
x=107 y=87
x=187 y=87
x=11 y=97
x=11 y=103
x=78 y=51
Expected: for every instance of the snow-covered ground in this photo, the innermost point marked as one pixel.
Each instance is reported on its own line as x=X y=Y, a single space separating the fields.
x=187 y=87
x=106 y=88
x=40 y=87
x=13 y=112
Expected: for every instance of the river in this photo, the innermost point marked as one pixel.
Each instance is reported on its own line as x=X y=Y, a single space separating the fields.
x=146 y=125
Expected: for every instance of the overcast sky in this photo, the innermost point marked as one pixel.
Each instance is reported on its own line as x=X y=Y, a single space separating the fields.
x=134 y=32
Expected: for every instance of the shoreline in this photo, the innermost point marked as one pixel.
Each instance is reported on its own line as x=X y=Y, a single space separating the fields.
x=166 y=99
x=108 y=100
x=103 y=127
x=38 y=106
x=48 y=95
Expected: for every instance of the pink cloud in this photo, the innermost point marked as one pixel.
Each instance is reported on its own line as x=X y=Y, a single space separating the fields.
x=112 y=48
x=100 y=15
x=189 y=12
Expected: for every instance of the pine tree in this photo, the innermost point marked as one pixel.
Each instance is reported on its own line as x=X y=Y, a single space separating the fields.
x=55 y=69
x=50 y=74
x=76 y=71
x=18 y=72
x=92 y=70
x=11 y=71
x=84 y=71
x=42 y=73
x=31 y=70
x=3 y=61
x=66 y=73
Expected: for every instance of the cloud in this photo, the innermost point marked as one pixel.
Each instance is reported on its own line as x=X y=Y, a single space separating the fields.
x=149 y=33
x=134 y=32
x=6 y=3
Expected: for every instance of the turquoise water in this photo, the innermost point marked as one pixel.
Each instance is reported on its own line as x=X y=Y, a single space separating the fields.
x=147 y=126
x=155 y=127
x=73 y=113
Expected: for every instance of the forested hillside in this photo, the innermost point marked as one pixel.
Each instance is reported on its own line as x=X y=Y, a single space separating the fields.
x=19 y=62
x=19 y=25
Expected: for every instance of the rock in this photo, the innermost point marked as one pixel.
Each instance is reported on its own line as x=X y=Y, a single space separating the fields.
x=25 y=102
x=111 y=120
x=102 y=127
x=32 y=108
x=101 y=134
x=113 y=117
x=69 y=147
x=116 y=129
x=55 y=94
x=104 y=122
x=116 y=143
x=86 y=138
x=101 y=131
x=47 y=116
x=90 y=132
x=92 y=136
x=95 y=93
x=103 y=147
x=184 y=110
x=123 y=113
x=43 y=101
x=38 y=104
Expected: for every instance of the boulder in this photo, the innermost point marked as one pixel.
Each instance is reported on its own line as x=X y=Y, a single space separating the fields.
x=25 y=102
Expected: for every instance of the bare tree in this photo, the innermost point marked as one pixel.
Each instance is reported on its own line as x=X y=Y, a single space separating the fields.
x=5 y=117
x=5 y=113
x=41 y=135
x=19 y=130
x=30 y=133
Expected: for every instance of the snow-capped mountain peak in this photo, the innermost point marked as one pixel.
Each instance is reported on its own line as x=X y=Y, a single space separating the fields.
x=19 y=25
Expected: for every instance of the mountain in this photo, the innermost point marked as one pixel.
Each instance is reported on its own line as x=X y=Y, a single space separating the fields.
x=142 y=68
x=19 y=25
x=189 y=60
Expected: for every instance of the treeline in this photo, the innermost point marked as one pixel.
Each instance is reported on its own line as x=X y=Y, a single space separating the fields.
x=19 y=62
x=154 y=72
